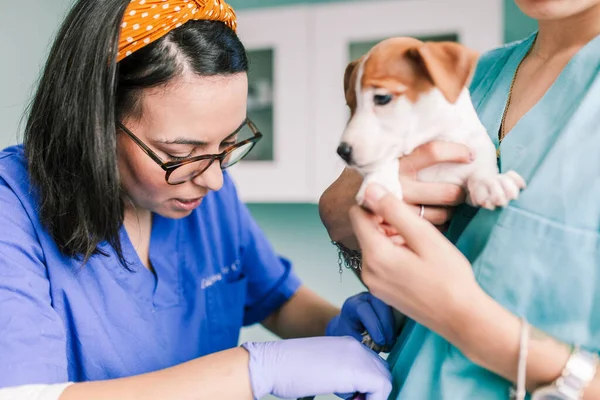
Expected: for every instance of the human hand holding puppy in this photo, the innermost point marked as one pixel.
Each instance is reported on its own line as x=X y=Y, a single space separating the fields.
x=438 y=199
x=433 y=288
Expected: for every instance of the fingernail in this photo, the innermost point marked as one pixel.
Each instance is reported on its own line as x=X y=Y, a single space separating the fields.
x=374 y=193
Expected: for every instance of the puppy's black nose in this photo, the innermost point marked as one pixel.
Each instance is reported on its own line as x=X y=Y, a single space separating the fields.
x=344 y=150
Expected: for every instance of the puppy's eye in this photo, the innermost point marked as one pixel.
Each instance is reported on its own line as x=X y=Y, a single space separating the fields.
x=382 y=99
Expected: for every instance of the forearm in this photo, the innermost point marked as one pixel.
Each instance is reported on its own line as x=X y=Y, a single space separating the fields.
x=334 y=205
x=304 y=315
x=222 y=375
x=492 y=341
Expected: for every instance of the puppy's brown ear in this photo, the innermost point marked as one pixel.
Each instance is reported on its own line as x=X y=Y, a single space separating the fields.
x=349 y=86
x=449 y=66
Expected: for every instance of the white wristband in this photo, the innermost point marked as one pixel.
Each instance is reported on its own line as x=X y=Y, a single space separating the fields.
x=34 y=392
x=521 y=391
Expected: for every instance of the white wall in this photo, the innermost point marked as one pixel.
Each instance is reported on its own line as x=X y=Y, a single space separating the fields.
x=27 y=28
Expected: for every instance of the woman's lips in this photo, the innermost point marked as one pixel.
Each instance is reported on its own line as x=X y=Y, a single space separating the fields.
x=187 y=204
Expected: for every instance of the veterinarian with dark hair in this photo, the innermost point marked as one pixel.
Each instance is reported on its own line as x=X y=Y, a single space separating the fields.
x=127 y=260
x=509 y=300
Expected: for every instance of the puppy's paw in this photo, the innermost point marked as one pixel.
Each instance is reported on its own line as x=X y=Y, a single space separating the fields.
x=360 y=196
x=491 y=191
x=395 y=188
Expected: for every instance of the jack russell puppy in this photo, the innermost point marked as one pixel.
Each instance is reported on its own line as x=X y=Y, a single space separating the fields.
x=404 y=93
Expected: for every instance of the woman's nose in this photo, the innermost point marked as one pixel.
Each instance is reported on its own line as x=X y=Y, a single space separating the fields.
x=212 y=178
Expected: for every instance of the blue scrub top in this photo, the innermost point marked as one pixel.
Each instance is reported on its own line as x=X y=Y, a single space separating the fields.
x=539 y=257
x=60 y=321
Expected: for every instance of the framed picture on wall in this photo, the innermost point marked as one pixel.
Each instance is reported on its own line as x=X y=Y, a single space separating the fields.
x=357 y=49
x=260 y=101
x=345 y=31
x=278 y=168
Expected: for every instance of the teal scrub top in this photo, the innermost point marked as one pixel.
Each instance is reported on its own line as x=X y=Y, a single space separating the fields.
x=540 y=256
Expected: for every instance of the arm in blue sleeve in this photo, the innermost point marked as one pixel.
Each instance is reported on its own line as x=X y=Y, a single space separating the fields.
x=32 y=335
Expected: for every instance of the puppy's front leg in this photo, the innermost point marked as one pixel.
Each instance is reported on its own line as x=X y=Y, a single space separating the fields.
x=493 y=190
x=387 y=175
x=487 y=187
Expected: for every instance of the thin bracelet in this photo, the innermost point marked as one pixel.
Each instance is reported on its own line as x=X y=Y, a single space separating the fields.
x=522 y=367
x=352 y=259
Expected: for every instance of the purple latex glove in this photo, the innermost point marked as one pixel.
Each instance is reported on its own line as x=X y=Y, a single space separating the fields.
x=316 y=366
x=365 y=312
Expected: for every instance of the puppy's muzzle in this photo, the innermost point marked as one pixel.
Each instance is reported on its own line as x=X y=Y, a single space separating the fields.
x=344 y=150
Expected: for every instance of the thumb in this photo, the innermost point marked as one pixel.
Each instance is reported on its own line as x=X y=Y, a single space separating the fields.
x=366 y=229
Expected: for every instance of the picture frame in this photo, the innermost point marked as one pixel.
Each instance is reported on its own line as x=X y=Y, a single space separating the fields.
x=283 y=175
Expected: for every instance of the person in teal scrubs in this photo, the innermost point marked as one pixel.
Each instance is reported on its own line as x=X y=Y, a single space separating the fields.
x=469 y=294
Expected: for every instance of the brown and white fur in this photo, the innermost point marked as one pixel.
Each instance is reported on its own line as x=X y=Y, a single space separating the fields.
x=405 y=93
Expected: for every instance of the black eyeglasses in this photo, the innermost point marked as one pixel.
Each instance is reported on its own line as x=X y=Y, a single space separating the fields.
x=178 y=172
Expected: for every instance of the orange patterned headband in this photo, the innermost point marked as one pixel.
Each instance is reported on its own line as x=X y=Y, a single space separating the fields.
x=148 y=20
